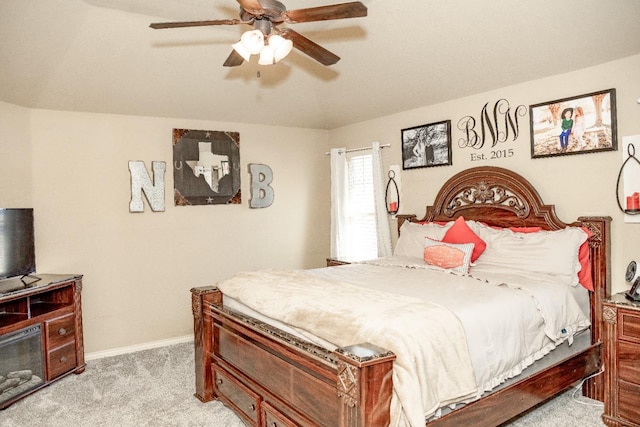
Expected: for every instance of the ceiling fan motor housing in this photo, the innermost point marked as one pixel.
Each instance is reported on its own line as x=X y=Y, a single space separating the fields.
x=263 y=25
x=273 y=11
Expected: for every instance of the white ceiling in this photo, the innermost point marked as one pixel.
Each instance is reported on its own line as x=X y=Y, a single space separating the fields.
x=101 y=56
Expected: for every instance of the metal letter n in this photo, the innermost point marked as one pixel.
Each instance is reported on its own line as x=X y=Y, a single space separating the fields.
x=141 y=182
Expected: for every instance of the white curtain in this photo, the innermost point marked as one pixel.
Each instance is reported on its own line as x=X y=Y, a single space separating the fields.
x=339 y=203
x=341 y=231
x=382 y=221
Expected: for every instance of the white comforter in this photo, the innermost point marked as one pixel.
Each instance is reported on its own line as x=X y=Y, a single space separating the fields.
x=508 y=326
x=511 y=319
x=432 y=366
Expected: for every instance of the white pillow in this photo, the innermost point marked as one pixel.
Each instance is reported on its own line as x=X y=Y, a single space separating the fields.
x=550 y=252
x=411 y=240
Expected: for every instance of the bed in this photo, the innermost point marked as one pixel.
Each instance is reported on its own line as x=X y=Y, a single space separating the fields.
x=272 y=375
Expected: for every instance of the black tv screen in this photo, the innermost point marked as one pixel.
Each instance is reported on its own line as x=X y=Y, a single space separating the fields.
x=17 y=243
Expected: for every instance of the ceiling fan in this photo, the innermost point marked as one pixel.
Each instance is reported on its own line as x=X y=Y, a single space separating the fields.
x=265 y=16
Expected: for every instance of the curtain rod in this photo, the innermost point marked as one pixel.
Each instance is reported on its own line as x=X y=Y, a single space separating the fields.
x=361 y=149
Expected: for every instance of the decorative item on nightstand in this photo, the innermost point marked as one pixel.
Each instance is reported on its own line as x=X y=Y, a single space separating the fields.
x=634 y=293
x=633 y=276
x=632 y=272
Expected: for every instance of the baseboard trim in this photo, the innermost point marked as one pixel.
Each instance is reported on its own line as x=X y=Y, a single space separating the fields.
x=138 y=347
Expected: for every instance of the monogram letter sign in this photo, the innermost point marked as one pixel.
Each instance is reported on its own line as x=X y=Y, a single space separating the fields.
x=141 y=182
x=261 y=192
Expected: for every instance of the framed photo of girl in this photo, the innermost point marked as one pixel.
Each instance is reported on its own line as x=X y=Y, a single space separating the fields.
x=576 y=125
x=426 y=145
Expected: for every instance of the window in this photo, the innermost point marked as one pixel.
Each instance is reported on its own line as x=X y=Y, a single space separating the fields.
x=361 y=218
x=359 y=223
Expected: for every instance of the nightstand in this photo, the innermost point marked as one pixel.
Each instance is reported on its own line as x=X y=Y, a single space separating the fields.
x=332 y=262
x=622 y=361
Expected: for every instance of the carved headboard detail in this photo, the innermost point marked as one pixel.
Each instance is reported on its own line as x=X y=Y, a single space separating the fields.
x=493 y=195
x=486 y=193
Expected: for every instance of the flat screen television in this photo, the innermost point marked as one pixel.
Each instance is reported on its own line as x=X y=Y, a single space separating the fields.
x=17 y=243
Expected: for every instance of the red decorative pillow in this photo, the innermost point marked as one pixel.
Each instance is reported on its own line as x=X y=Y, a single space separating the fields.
x=461 y=233
x=584 y=275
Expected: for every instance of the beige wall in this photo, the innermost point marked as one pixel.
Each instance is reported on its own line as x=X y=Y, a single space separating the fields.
x=578 y=184
x=15 y=157
x=138 y=267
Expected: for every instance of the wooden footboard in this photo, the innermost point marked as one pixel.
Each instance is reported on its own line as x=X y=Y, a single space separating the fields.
x=268 y=376
x=272 y=379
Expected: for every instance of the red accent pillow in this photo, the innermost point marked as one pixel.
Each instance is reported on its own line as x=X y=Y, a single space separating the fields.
x=584 y=275
x=461 y=233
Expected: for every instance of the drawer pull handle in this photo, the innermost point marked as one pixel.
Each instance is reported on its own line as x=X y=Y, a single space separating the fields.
x=273 y=424
x=252 y=407
x=62 y=331
x=63 y=359
x=219 y=382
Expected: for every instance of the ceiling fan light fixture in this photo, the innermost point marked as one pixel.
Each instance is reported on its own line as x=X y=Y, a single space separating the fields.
x=281 y=46
x=267 y=56
x=252 y=41
x=239 y=47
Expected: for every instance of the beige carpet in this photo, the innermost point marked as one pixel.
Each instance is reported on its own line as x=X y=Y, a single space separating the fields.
x=155 y=388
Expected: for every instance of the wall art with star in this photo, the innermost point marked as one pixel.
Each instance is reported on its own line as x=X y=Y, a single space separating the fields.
x=206 y=167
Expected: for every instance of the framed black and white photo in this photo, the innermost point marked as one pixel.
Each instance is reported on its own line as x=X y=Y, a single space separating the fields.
x=576 y=125
x=427 y=145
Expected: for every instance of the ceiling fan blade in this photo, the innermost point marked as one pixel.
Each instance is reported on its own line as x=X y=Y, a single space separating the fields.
x=161 y=25
x=234 y=59
x=323 y=13
x=252 y=6
x=310 y=48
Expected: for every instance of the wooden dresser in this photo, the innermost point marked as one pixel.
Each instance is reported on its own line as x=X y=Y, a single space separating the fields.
x=621 y=361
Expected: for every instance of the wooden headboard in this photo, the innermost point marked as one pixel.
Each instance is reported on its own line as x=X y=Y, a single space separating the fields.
x=492 y=195
x=503 y=198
